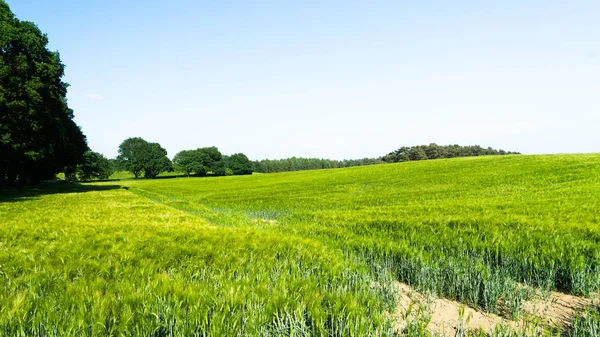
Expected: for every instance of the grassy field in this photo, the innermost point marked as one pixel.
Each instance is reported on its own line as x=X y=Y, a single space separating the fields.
x=125 y=175
x=105 y=262
x=299 y=253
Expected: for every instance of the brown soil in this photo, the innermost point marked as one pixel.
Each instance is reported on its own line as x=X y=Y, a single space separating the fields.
x=556 y=310
x=444 y=313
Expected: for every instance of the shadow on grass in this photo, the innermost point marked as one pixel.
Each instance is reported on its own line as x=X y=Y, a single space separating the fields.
x=169 y=177
x=29 y=192
x=142 y=178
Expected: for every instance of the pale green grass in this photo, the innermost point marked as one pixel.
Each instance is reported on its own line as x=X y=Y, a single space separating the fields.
x=109 y=263
x=468 y=228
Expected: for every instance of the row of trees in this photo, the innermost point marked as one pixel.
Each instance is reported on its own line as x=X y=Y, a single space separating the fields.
x=202 y=161
x=435 y=151
x=146 y=159
x=299 y=164
x=38 y=137
x=150 y=159
x=94 y=166
x=405 y=153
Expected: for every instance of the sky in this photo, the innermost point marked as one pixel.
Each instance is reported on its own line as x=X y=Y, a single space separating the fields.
x=329 y=79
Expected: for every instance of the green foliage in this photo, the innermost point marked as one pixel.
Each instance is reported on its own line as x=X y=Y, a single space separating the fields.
x=200 y=161
x=214 y=161
x=94 y=167
x=434 y=151
x=126 y=175
x=301 y=164
x=116 y=165
x=38 y=137
x=239 y=164
x=587 y=323
x=191 y=161
x=132 y=155
x=139 y=156
x=156 y=161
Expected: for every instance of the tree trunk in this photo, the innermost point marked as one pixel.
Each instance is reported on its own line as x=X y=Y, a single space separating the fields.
x=2 y=174
x=11 y=177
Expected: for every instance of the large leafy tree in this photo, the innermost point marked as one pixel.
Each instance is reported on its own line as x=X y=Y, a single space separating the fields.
x=214 y=161
x=239 y=164
x=94 y=166
x=191 y=161
x=38 y=137
x=132 y=155
x=200 y=161
x=156 y=161
x=139 y=156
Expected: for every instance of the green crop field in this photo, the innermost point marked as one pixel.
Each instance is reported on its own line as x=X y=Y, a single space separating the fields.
x=309 y=253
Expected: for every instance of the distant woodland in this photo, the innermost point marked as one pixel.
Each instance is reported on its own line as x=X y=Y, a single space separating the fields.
x=405 y=153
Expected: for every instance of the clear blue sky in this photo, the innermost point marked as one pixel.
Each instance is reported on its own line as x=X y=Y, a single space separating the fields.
x=332 y=79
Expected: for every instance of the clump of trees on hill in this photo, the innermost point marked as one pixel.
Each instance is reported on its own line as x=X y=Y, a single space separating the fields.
x=435 y=151
x=148 y=160
x=38 y=137
x=202 y=161
x=405 y=153
x=299 y=164
x=142 y=157
x=93 y=167
x=237 y=164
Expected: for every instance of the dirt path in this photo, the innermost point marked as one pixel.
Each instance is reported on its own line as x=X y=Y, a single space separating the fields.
x=557 y=311
x=444 y=313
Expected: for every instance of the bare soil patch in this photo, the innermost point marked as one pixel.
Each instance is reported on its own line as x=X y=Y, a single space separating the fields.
x=446 y=316
x=558 y=309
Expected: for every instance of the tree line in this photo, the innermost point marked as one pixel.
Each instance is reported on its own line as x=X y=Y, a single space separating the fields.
x=299 y=164
x=435 y=151
x=405 y=153
x=147 y=160
x=208 y=160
